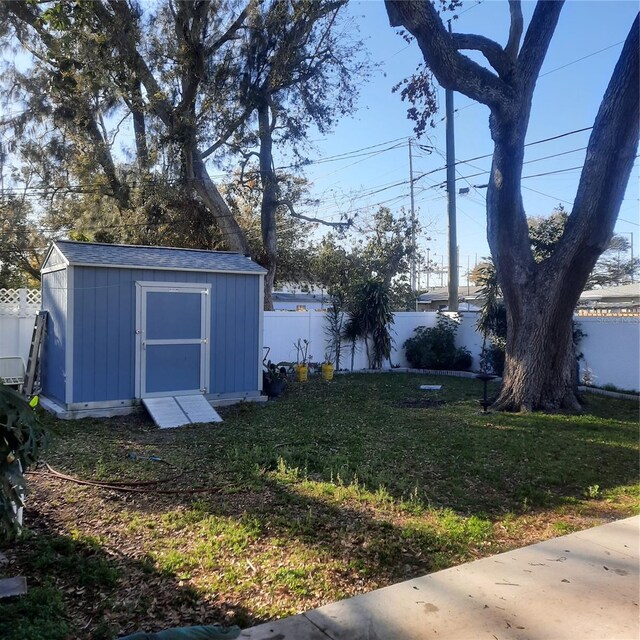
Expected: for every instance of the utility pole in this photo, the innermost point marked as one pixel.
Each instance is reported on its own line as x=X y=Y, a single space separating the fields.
x=631 y=246
x=412 y=276
x=428 y=267
x=451 y=202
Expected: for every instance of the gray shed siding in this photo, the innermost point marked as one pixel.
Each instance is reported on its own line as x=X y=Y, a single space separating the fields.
x=54 y=300
x=104 y=330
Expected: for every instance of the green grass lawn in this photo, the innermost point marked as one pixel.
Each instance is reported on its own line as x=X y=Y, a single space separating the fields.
x=332 y=490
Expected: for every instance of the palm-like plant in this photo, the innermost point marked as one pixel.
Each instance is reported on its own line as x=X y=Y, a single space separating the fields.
x=352 y=332
x=373 y=309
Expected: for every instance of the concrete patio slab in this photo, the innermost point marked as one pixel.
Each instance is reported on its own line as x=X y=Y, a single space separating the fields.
x=584 y=585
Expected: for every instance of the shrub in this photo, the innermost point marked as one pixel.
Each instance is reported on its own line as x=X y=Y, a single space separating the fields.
x=435 y=347
x=492 y=359
x=21 y=440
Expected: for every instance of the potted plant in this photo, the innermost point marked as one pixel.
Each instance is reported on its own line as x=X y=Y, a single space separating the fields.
x=302 y=359
x=274 y=376
x=273 y=379
x=327 y=367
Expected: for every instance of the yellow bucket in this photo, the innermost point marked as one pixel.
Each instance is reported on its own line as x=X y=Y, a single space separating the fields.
x=327 y=371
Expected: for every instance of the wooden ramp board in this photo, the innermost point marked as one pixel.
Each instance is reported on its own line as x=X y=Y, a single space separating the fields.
x=176 y=411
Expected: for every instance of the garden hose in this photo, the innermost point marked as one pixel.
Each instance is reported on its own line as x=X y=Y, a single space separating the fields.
x=132 y=486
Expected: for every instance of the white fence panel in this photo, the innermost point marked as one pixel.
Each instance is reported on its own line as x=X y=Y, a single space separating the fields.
x=611 y=346
x=283 y=328
x=611 y=349
x=18 y=309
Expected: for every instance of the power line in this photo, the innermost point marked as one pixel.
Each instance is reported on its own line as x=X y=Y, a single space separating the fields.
x=529 y=144
x=589 y=55
x=546 y=73
x=92 y=189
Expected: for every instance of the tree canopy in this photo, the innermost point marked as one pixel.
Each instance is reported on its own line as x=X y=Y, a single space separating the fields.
x=197 y=87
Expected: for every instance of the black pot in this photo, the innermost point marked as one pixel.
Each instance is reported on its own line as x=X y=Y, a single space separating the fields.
x=272 y=388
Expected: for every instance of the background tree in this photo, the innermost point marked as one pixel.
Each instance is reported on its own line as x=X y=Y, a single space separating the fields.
x=539 y=296
x=20 y=244
x=298 y=70
x=379 y=248
x=613 y=268
x=294 y=247
x=195 y=82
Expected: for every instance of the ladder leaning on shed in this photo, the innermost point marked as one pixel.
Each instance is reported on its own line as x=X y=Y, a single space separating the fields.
x=34 y=353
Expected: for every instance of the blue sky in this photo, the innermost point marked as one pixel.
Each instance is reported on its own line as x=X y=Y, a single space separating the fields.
x=566 y=99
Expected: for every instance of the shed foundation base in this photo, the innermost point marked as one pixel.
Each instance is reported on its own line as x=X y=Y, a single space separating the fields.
x=128 y=407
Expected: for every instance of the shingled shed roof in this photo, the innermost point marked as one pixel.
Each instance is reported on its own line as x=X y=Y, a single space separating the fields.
x=140 y=257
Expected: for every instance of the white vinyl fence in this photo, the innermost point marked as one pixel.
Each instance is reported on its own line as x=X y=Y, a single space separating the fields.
x=18 y=310
x=611 y=351
x=611 y=346
x=283 y=328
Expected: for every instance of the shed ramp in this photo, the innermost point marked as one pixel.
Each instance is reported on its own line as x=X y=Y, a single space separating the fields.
x=169 y=412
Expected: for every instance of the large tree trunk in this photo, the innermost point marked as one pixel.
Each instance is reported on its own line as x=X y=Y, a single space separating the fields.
x=233 y=235
x=540 y=370
x=269 y=203
x=540 y=364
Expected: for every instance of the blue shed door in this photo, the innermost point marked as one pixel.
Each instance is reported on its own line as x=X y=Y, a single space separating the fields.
x=172 y=331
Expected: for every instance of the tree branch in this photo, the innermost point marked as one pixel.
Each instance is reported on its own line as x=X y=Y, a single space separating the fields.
x=243 y=166
x=336 y=225
x=515 y=30
x=611 y=153
x=127 y=48
x=536 y=41
x=229 y=34
x=228 y=132
x=490 y=49
x=452 y=69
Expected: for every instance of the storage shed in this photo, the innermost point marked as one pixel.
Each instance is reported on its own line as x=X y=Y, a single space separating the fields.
x=129 y=322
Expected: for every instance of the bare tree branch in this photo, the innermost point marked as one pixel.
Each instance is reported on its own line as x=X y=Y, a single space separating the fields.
x=536 y=41
x=228 y=131
x=611 y=153
x=515 y=30
x=452 y=69
x=336 y=225
x=229 y=34
x=490 y=49
x=243 y=166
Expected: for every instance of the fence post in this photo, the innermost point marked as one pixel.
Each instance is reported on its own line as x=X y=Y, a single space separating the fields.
x=22 y=302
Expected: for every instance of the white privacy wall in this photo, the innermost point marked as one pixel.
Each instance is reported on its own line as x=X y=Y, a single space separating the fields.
x=283 y=328
x=18 y=309
x=611 y=346
x=611 y=349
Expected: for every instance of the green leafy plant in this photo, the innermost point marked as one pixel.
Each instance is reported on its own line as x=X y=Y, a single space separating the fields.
x=352 y=332
x=21 y=440
x=372 y=308
x=333 y=331
x=435 y=347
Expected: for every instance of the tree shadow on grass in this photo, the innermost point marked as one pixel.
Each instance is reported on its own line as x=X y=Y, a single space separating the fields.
x=81 y=588
x=287 y=526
